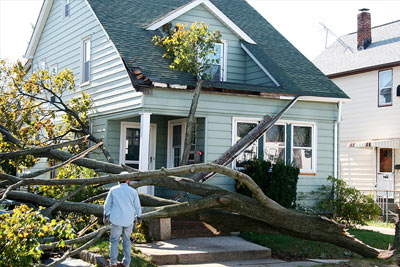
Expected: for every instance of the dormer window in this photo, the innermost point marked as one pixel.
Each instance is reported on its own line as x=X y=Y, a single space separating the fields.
x=218 y=70
x=66 y=5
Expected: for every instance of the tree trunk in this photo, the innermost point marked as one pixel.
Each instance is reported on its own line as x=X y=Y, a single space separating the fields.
x=191 y=123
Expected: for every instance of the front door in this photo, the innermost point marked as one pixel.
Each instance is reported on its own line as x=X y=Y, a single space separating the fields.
x=385 y=172
x=130 y=148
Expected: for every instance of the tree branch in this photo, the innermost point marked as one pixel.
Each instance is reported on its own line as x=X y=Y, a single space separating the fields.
x=38 y=150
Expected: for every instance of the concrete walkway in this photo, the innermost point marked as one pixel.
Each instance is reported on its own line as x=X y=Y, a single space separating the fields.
x=382 y=230
x=70 y=262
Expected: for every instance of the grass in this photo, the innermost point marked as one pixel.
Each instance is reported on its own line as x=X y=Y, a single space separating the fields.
x=138 y=259
x=381 y=224
x=290 y=248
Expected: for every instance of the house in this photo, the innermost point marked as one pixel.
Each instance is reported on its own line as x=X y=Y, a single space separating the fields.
x=140 y=104
x=366 y=65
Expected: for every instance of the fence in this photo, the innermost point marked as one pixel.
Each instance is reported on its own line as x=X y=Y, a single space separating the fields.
x=386 y=200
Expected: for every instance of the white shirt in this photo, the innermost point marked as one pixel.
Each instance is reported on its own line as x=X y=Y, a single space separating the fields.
x=122 y=205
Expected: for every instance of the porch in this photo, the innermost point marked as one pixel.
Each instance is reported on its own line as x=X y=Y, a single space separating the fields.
x=149 y=141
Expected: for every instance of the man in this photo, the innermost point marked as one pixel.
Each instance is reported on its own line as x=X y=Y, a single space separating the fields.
x=121 y=207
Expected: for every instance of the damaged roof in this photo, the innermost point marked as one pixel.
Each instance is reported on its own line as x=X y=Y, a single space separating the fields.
x=125 y=23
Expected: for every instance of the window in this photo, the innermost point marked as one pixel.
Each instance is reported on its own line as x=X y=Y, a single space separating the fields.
x=85 y=60
x=42 y=64
x=177 y=134
x=275 y=144
x=385 y=160
x=53 y=69
x=66 y=7
x=385 y=88
x=303 y=155
x=218 y=69
x=242 y=129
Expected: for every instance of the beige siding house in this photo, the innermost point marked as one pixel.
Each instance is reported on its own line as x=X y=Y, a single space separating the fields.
x=366 y=65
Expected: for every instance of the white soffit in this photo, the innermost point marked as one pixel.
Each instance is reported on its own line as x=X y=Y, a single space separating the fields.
x=208 y=5
x=260 y=65
x=40 y=23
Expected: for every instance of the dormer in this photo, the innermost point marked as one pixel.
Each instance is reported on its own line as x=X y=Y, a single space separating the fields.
x=236 y=63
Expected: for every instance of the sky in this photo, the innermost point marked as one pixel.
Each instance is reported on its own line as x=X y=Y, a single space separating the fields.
x=297 y=20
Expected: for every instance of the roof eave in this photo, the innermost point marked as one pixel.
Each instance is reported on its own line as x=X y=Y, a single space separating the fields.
x=37 y=32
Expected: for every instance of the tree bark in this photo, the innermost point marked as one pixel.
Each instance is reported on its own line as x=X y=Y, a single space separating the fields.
x=191 y=123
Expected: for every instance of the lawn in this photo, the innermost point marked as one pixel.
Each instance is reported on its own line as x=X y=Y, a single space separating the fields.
x=138 y=259
x=290 y=248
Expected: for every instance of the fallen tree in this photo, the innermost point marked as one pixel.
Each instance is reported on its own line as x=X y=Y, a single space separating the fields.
x=226 y=211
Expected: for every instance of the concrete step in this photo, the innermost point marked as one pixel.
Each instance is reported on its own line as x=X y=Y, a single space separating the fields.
x=202 y=250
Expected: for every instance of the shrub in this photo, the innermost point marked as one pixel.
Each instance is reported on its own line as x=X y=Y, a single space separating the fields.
x=22 y=232
x=278 y=181
x=345 y=204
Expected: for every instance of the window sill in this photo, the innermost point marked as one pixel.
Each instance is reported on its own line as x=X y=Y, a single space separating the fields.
x=85 y=84
x=307 y=173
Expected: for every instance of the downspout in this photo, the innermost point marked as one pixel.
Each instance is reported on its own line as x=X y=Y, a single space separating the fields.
x=336 y=142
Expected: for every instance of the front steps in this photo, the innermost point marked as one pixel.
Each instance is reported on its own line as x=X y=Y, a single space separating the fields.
x=184 y=228
x=202 y=250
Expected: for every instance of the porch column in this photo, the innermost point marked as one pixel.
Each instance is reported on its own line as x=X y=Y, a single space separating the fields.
x=145 y=146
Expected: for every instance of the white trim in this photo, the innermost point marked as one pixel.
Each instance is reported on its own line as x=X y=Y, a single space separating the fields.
x=172 y=123
x=37 y=32
x=83 y=41
x=235 y=121
x=318 y=99
x=335 y=151
x=259 y=64
x=225 y=60
x=52 y=67
x=63 y=5
x=108 y=37
x=313 y=145
x=208 y=5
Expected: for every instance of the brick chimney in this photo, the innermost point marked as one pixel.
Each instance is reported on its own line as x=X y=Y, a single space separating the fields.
x=364 y=38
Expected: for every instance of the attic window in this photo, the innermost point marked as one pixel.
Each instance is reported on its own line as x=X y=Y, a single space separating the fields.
x=66 y=8
x=219 y=70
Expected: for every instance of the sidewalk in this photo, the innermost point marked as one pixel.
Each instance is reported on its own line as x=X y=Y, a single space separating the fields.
x=382 y=230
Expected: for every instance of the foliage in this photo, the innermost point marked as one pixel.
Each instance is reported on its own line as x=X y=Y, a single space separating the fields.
x=190 y=48
x=142 y=233
x=278 y=181
x=29 y=105
x=72 y=171
x=345 y=204
x=22 y=232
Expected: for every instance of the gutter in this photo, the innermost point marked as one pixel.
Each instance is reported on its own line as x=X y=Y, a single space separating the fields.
x=336 y=141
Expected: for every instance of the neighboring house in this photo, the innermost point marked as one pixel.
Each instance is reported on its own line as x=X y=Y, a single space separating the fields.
x=140 y=104
x=366 y=65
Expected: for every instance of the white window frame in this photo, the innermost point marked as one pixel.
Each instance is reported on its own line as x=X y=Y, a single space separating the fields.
x=64 y=5
x=223 y=60
x=122 y=146
x=83 y=58
x=284 y=140
x=380 y=89
x=313 y=126
x=42 y=64
x=171 y=124
x=235 y=121
x=53 y=69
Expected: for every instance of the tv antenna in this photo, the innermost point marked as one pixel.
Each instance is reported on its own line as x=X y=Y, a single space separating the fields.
x=340 y=41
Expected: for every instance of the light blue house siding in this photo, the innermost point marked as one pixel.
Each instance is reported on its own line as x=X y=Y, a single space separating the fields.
x=216 y=113
x=240 y=67
x=61 y=44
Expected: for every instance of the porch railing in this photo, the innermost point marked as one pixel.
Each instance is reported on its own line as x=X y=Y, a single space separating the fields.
x=386 y=200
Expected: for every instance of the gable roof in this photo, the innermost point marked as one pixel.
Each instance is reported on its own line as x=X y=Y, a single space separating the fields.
x=384 y=49
x=125 y=23
x=210 y=7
